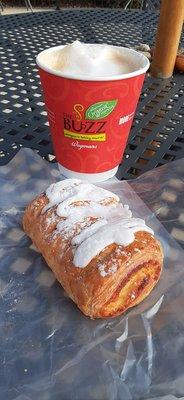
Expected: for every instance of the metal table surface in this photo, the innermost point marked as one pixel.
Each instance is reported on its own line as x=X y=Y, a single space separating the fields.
x=35 y=329
x=157 y=133
x=156 y=136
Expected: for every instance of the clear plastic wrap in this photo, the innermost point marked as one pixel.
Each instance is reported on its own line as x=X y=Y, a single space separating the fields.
x=48 y=349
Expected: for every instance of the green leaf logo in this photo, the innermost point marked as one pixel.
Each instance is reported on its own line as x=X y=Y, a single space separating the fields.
x=100 y=110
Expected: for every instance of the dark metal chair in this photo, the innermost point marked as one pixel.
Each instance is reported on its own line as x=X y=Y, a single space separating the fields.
x=28 y=5
x=143 y=4
x=151 y=5
x=2 y=5
x=126 y=4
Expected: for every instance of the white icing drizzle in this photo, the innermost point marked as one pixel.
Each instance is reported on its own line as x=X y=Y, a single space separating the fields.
x=99 y=221
x=87 y=232
x=117 y=231
x=59 y=191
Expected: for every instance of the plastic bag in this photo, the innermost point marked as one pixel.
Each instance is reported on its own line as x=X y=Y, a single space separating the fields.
x=48 y=349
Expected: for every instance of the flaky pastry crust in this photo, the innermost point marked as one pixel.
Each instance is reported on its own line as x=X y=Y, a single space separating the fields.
x=139 y=265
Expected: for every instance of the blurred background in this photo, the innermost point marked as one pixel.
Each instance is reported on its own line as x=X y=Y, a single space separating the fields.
x=11 y=5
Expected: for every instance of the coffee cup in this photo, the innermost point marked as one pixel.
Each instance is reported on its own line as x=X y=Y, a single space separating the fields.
x=90 y=112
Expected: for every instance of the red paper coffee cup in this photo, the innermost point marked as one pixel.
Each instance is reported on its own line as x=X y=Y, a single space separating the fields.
x=90 y=119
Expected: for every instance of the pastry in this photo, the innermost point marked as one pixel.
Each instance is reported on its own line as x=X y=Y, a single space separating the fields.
x=106 y=260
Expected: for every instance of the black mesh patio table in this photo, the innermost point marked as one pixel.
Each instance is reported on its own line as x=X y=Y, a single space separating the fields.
x=156 y=136
x=157 y=133
x=48 y=350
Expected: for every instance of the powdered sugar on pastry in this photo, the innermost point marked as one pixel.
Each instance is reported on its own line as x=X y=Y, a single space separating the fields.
x=108 y=220
x=107 y=271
